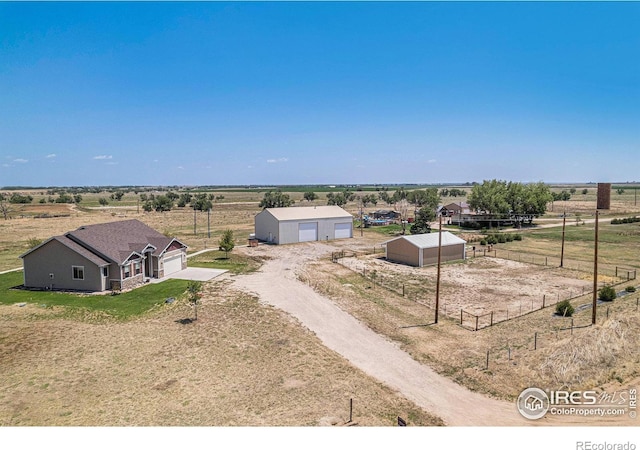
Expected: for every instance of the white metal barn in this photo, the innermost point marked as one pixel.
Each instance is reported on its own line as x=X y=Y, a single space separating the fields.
x=422 y=249
x=303 y=224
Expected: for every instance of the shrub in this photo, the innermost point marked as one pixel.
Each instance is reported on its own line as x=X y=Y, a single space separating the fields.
x=565 y=308
x=630 y=289
x=491 y=240
x=501 y=238
x=517 y=237
x=483 y=242
x=607 y=294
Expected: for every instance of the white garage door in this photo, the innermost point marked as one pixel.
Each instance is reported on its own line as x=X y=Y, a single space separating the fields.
x=342 y=230
x=172 y=264
x=308 y=232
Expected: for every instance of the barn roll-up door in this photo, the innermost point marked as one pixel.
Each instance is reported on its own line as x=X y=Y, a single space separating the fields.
x=308 y=232
x=342 y=230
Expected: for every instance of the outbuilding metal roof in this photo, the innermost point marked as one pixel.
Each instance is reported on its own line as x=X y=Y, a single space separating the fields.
x=430 y=240
x=309 y=212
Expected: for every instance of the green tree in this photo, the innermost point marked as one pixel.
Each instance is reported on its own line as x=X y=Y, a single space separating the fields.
x=337 y=199
x=607 y=294
x=202 y=202
x=77 y=198
x=194 y=289
x=565 y=309
x=422 y=222
x=385 y=197
x=275 y=199
x=103 y=201
x=162 y=203
x=227 y=242
x=4 y=205
x=310 y=196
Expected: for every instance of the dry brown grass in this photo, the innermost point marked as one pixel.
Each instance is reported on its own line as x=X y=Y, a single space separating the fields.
x=524 y=352
x=240 y=364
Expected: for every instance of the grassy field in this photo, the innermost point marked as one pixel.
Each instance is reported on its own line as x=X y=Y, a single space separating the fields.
x=76 y=361
x=240 y=364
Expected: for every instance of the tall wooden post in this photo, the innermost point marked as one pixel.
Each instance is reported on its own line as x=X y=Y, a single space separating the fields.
x=209 y=222
x=595 y=274
x=438 y=275
x=194 y=220
x=564 y=221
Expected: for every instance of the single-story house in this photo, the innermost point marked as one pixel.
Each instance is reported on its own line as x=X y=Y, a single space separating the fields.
x=385 y=214
x=422 y=249
x=453 y=209
x=115 y=255
x=303 y=224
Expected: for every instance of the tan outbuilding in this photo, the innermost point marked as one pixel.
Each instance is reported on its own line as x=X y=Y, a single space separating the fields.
x=422 y=249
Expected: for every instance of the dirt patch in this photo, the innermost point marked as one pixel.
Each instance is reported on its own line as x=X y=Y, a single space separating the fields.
x=240 y=364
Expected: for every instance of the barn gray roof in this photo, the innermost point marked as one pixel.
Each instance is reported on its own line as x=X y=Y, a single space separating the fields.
x=430 y=240
x=308 y=212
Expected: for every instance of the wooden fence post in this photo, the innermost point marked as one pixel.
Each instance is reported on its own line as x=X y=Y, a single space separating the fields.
x=535 y=341
x=461 y=317
x=491 y=318
x=477 y=317
x=544 y=298
x=487 y=359
x=572 y=326
x=350 y=410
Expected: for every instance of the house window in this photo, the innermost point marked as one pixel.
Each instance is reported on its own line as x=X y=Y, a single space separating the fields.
x=137 y=267
x=127 y=271
x=78 y=272
x=105 y=271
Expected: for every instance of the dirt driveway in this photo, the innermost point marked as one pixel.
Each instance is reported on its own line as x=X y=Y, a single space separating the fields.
x=276 y=284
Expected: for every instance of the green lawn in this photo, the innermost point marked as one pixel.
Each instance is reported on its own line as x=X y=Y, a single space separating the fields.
x=233 y=262
x=122 y=306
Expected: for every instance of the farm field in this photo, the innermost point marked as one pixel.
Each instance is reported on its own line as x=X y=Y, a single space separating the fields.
x=158 y=371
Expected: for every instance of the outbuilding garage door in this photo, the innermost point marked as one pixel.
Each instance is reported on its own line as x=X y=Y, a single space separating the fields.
x=172 y=265
x=342 y=230
x=308 y=232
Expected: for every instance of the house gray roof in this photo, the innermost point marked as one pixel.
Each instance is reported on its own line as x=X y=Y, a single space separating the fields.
x=117 y=241
x=308 y=212
x=430 y=240
x=97 y=260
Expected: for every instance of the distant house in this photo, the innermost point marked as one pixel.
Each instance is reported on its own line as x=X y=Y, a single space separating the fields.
x=386 y=214
x=303 y=224
x=115 y=255
x=422 y=249
x=453 y=209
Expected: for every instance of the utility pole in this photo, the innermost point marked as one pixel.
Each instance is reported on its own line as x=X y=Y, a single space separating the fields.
x=438 y=275
x=361 y=222
x=595 y=274
x=564 y=221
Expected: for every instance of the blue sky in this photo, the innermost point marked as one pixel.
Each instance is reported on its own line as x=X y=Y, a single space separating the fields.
x=323 y=92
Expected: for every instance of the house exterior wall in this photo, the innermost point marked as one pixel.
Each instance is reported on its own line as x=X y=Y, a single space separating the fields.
x=57 y=259
x=402 y=251
x=448 y=253
x=288 y=230
x=267 y=228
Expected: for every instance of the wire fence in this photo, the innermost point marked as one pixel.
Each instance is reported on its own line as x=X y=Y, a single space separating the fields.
x=475 y=321
x=618 y=272
x=559 y=328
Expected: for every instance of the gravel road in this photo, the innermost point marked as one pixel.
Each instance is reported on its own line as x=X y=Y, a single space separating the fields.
x=277 y=285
